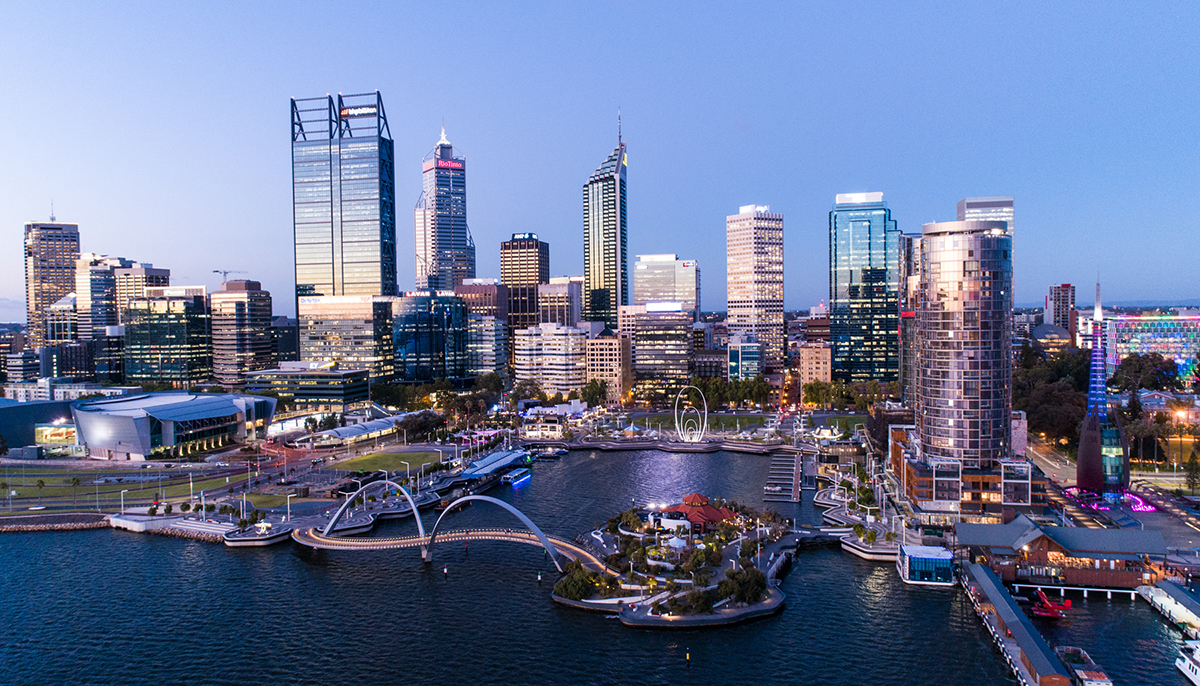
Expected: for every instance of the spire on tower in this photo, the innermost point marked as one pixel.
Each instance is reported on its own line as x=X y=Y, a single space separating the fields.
x=1098 y=313
x=618 y=125
x=51 y=210
x=443 y=140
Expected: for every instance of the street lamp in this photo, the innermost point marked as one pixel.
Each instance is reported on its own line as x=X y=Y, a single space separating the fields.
x=123 y=500
x=289 y=506
x=407 y=472
x=1180 y=415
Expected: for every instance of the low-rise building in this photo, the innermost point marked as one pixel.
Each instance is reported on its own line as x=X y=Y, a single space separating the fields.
x=310 y=387
x=1023 y=551
x=745 y=357
x=609 y=360
x=814 y=362
x=62 y=388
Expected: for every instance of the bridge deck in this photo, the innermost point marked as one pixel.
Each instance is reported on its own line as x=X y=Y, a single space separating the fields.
x=313 y=538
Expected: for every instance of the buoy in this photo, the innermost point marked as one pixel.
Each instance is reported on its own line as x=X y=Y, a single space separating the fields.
x=539 y=577
x=445 y=570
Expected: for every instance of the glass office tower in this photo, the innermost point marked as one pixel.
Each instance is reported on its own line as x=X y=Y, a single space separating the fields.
x=343 y=194
x=429 y=335
x=754 y=295
x=666 y=278
x=445 y=249
x=864 y=282
x=168 y=337
x=50 y=253
x=605 y=268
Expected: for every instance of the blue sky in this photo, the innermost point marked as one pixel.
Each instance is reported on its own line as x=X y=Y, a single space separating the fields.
x=162 y=128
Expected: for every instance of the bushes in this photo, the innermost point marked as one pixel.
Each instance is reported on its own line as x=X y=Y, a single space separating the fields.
x=577 y=584
x=743 y=585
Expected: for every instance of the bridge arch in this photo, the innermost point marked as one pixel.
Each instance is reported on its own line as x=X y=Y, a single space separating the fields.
x=514 y=511
x=328 y=530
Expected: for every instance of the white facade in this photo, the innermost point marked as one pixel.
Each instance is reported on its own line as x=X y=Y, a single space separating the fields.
x=553 y=355
x=666 y=278
x=754 y=255
x=60 y=389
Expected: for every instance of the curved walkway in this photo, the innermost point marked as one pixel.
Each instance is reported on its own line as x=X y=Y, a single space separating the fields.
x=313 y=538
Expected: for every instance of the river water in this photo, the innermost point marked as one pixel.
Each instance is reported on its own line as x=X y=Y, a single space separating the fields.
x=108 y=607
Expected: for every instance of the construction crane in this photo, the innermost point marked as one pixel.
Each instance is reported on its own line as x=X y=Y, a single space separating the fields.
x=226 y=272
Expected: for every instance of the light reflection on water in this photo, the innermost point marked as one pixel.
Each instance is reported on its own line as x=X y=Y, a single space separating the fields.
x=109 y=607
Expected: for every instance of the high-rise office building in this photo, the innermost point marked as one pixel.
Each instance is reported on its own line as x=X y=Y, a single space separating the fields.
x=445 y=249
x=132 y=282
x=51 y=250
x=168 y=337
x=343 y=198
x=62 y=321
x=754 y=290
x=992 y=208
x=964 y=318
x=96 y=292
x=666 y=278
x=605 y=269
x=1060 y=306
x=430 y=337
x=487 y=346
x=524 y=265
x=355 y=331
x=661 y=347
x=484 y=297
x=241 y=331
x=561 y=301
x=553 y=356
x=864 y=282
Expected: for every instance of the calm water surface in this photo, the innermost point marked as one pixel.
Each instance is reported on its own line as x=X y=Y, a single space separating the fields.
x=106 y=607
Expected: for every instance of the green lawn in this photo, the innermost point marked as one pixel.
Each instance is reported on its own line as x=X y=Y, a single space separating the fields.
x=390 y=461
x=55 y=488
x=846 y=422
x=716 y=422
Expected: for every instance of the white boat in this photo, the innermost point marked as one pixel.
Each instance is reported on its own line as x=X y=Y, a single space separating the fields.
x=1188 y=661
x=773 y=489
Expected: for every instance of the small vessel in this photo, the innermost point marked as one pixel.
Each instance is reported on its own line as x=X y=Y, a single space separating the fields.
x=1188 y=661
x=1044 y=601
x=516 y=476
x=1084 y=671
x=1048 y=612
x=770 y=488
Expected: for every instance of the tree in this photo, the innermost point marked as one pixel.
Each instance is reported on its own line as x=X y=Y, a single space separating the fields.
x=889 y=536
x=1134 y=410
x=1151 y=371
x=40 y=485
x=1193 y=471
x=185 y=507
x=152 y=510
x=860 y=530
x=168 y=508
x=870 y=537
x=74 y=484
x=3 y=445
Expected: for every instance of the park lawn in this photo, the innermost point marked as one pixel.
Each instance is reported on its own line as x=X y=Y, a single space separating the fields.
x=137 y=489
x=716 y=422
x=390 y=461
x=846 y=422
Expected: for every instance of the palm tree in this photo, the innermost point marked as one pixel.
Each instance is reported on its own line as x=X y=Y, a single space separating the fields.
x=40 y=485
x=74 y=484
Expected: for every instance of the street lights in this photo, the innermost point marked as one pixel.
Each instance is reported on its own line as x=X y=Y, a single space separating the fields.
x=407 y=472
x=289 y=506
x=123 y=500
x=1180 y=415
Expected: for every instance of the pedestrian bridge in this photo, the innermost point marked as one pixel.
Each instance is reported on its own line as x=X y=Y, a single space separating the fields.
x=326 y=538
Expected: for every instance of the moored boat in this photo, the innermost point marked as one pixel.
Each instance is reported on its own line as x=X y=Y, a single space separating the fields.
x=1084 y=671
x=1188 y=661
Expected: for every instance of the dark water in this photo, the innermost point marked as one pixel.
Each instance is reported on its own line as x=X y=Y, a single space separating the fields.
x=105 y=607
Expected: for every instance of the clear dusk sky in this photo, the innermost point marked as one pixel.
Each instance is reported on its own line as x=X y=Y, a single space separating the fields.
x=162 y=129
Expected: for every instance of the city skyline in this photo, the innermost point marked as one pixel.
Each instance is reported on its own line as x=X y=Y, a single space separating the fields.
x=1082 y=180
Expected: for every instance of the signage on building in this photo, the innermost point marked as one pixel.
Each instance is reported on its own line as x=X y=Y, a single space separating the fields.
x=449 y=164
x=358 y=111
x=54 y=434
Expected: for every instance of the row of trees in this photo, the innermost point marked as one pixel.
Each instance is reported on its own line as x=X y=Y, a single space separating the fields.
x=840 y=395
x=719 y=391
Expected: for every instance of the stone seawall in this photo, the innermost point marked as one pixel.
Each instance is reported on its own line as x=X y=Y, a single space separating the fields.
x=53 y=522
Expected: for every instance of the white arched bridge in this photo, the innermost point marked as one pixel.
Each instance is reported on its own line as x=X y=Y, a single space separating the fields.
x=326 y=538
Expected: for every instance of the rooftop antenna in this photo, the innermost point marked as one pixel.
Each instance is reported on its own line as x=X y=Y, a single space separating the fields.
x=52 y=208
x=443 y=140
x=618 y=125
x=1098 y=313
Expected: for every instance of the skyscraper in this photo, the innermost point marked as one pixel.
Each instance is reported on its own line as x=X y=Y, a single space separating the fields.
x=96 y=292
x=241 y=331
x=864 y=280
x=991 y=208
x=910 y=298
x=1060 y=306
x=445 y=250
x=666 y=278
x=168 y=337
x=132 y=282
x=343 y=197
x=754 y=258
x=524 y=265
x=964 y=318
x=51 y=250
x=605 y=269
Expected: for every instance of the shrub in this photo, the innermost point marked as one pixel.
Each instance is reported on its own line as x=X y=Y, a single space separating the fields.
x=152 y=511
x=185 y=507
x=167 y=509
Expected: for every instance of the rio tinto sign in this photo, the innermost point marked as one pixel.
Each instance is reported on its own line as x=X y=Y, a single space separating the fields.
x=449 y=164
x=358 y=111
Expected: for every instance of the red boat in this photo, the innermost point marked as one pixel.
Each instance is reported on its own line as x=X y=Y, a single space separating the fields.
x=1064 y=605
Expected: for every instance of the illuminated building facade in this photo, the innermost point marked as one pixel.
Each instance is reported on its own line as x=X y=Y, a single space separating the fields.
x=910 y=296
x=524 y=265
x=864 y=289
x=445 y=249
x=430 y=337
x=51 y=250
x=605 y=267
x=343 y=198
x=355 y=331
x=964 y=371
x=661 y=347
x=666 y=278
x=241 y=331
x=609 y=360
x=990 y=208
x=1175 y=337
x=1060 y=306
x=487 y=346
x=745 y=357
x=1103 y=462
x=553 y=356
x=168 y=337
x=754 y=292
